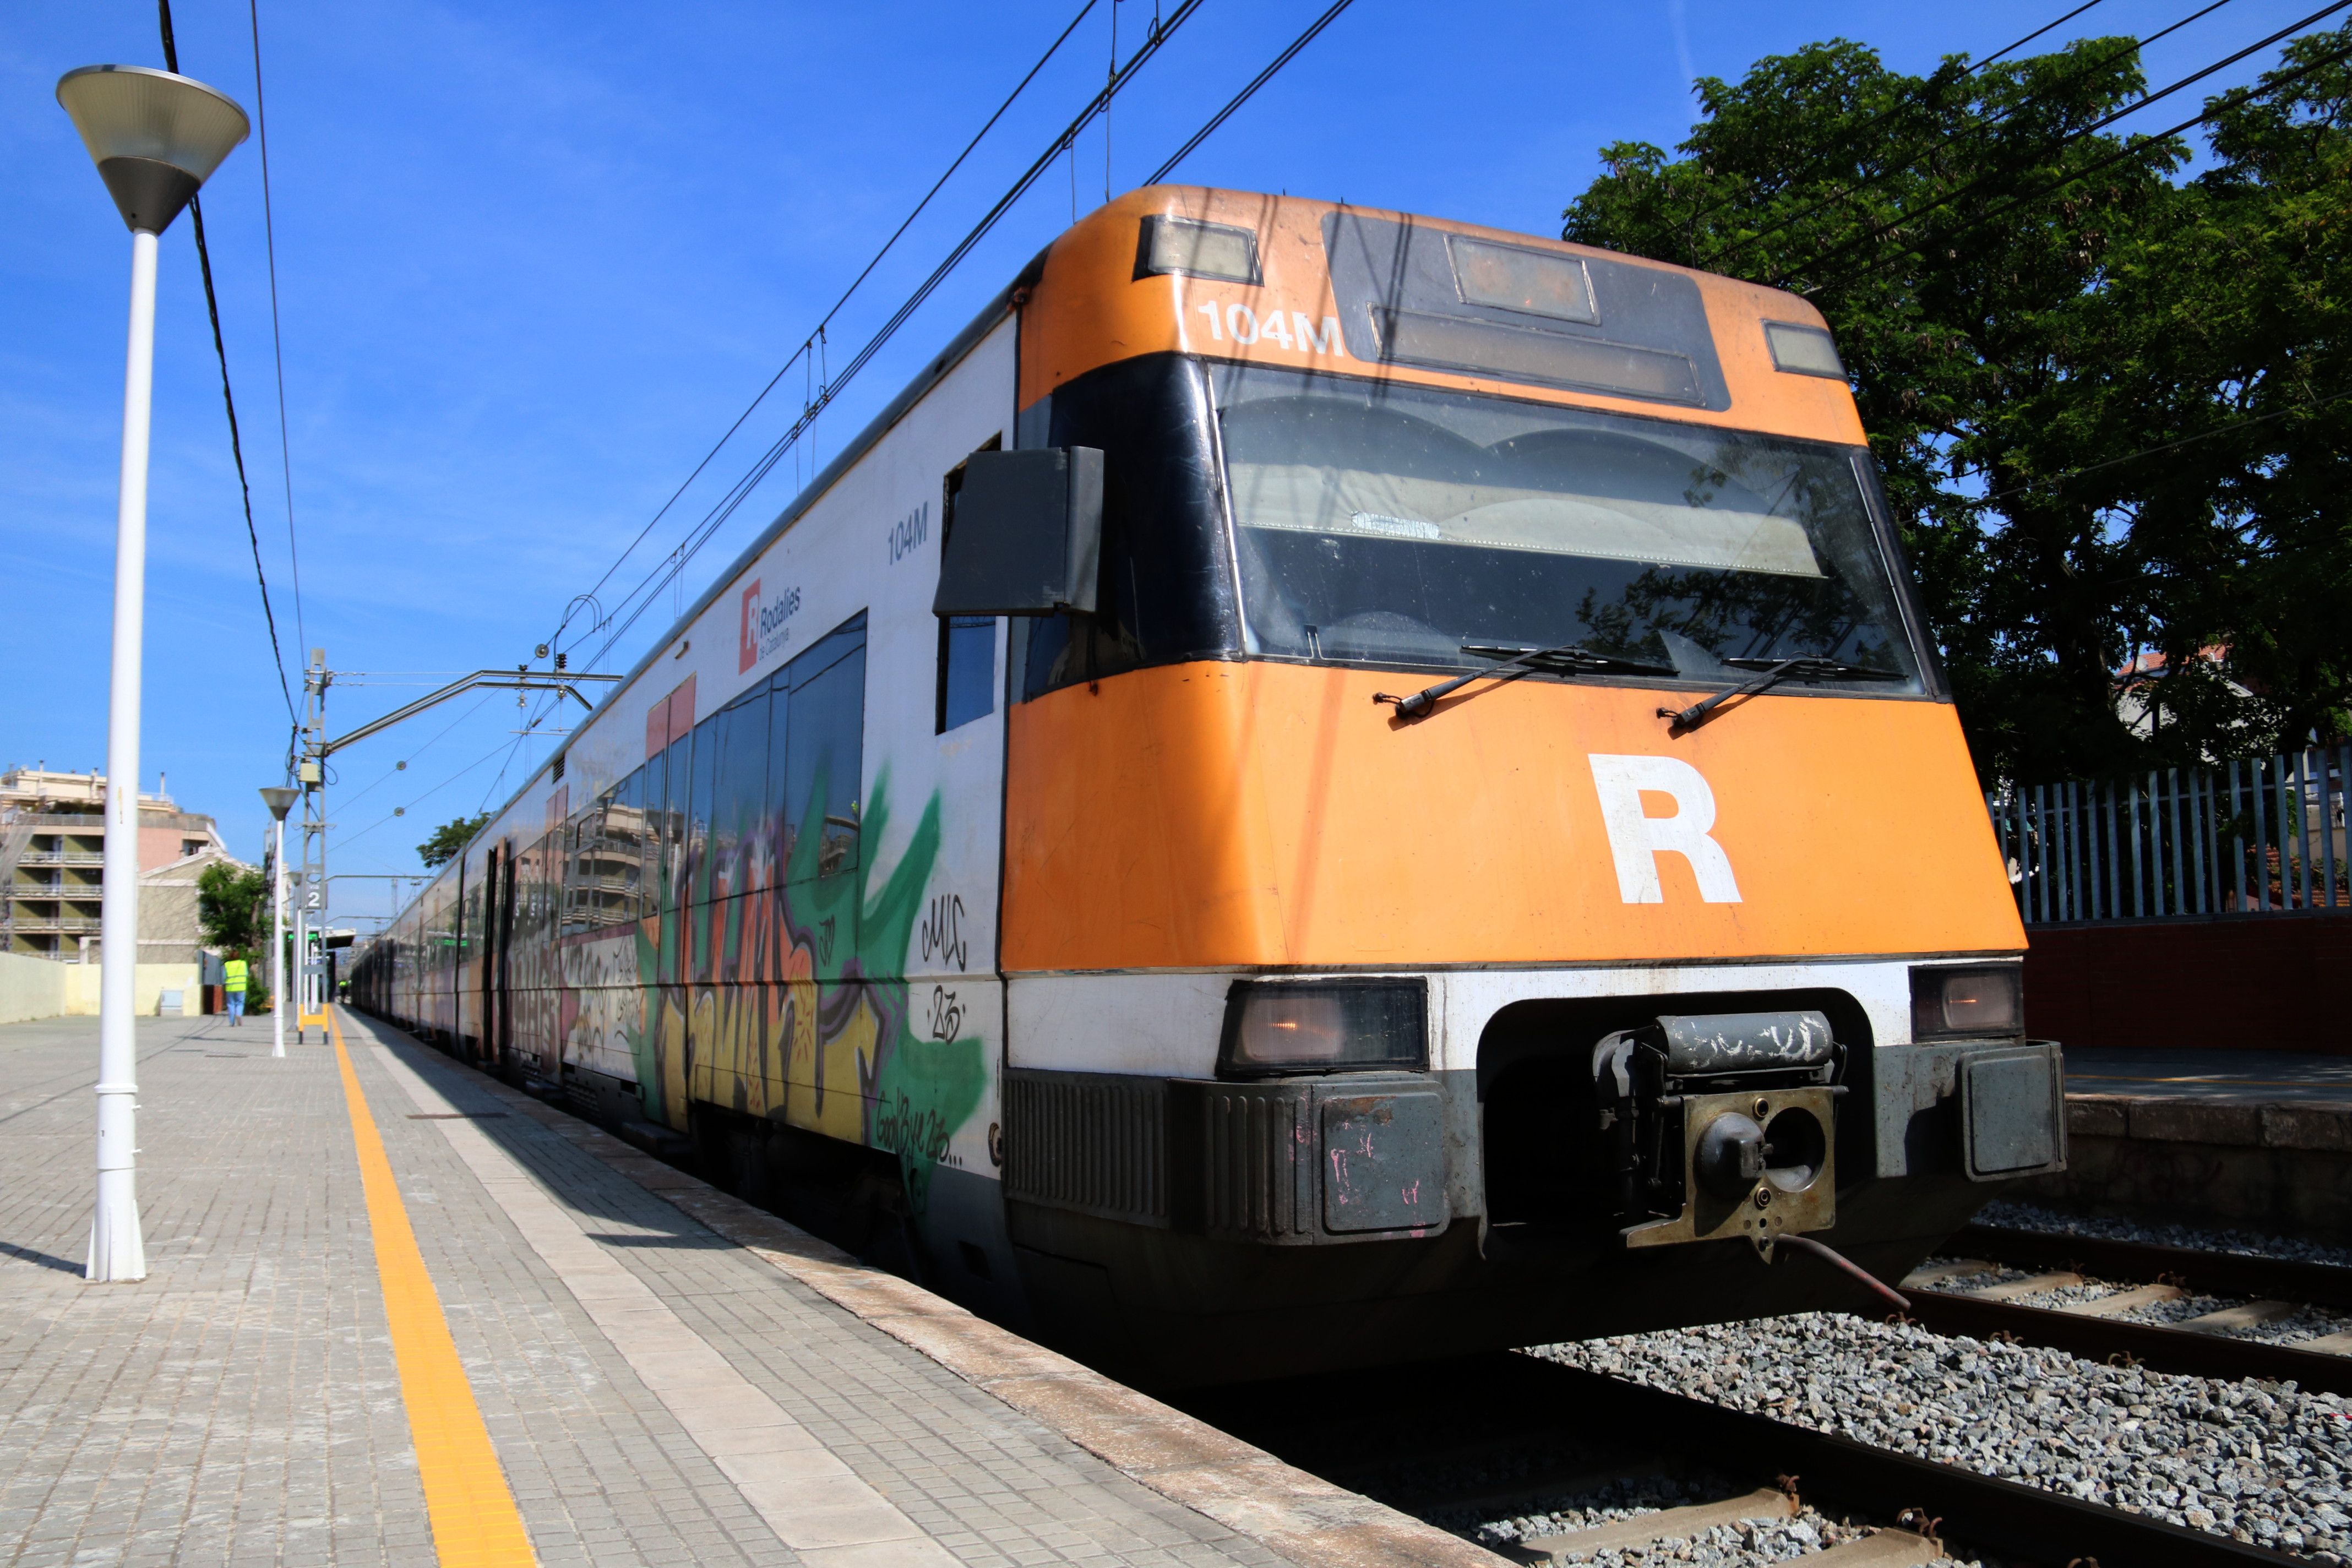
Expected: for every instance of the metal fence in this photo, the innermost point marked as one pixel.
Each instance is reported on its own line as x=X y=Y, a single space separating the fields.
x=2261 y=837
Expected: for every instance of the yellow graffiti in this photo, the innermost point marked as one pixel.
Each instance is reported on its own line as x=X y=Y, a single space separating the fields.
x=798 y=1028
x=825 y=1091
x=730 y=1037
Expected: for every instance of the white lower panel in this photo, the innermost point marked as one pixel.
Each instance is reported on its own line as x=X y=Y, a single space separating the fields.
x=1168 y=1024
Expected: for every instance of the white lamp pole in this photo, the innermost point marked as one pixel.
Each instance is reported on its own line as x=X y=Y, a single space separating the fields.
x=156 y=138
x=280 y=801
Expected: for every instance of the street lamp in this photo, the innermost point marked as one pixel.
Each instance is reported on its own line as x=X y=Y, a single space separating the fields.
x=280 y=801
x=156 y=138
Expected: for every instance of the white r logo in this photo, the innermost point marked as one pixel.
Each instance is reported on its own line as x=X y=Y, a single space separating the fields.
x=1636 y=839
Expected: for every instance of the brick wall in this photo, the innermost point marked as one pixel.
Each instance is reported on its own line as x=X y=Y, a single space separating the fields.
x=2282 y=983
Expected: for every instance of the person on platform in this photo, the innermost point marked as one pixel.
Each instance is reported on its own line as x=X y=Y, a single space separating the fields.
x=233 y=981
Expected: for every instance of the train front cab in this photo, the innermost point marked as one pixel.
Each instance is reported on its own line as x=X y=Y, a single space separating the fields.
x=1341 y=1027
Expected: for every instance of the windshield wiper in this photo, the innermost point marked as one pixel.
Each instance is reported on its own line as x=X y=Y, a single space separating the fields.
x=1517 y=660
x=1774 y=672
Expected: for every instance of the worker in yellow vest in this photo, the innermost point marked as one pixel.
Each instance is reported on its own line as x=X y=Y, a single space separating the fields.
x=233 y=980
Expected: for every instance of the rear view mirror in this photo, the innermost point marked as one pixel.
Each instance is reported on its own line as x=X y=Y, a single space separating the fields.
x=1025 y=535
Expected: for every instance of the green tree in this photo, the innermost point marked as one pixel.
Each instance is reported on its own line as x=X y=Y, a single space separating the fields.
x=232 y=912
x=449 y=839
x=2109 y=399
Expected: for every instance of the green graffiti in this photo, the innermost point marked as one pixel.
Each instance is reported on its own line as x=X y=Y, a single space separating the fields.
x=798 y=990
x=925 y=1084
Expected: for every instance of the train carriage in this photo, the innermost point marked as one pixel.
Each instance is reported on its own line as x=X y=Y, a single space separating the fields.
x=1214 y=830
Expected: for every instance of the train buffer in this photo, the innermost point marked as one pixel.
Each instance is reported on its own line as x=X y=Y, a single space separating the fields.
x=398 y=1313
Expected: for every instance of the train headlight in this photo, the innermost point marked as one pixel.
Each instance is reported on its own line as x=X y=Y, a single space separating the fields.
x=1970 y=1000
x=1276 y=1027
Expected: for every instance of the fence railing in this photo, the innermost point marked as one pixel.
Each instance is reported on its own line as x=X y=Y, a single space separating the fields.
x=2260 y=837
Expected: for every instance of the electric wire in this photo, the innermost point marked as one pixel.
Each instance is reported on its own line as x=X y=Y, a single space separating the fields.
x=1160 y=33
x=1914 y=162
x=1257 y=82
x=2131 y=149
x=415 y=751
x=801 y=353
x=277 y=338
x=349 y=840
x=650 y=587
x=1913 y=100
x=228 y=399
x=2230 y=427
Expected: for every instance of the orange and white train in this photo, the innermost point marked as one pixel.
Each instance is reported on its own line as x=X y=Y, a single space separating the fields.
x=1208 y=833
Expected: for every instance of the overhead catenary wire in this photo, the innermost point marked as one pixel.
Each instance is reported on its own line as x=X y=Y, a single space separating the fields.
x=352 y=838
x=1851 y=192
x=648 y=588
x=415 y=751
x=1913 y=100
x=1259 y=80
x=828 y=388
x=277 y=337
x=801 y=355
x=2226 y=428
x=2131 y=149
x=228 y=399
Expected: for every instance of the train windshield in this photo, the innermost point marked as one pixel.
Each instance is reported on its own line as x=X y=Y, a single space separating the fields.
x=1386 y=524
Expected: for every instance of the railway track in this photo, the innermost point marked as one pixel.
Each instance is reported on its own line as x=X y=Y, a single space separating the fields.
x=1942 y=1301
x=1468 y=1419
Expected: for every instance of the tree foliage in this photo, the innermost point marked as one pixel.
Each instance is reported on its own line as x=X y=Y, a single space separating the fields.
x=232 y=910
x=449 y=839
x=2105 y=379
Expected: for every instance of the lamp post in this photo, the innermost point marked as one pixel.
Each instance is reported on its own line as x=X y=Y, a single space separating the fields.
x=156 y=138
x=280 y=801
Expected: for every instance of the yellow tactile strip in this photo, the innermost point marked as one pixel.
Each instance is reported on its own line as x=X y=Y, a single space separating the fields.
x=474 y=1522
x=1300 y=1516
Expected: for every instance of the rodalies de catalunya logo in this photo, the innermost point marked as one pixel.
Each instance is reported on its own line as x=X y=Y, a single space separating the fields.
x=763 y=629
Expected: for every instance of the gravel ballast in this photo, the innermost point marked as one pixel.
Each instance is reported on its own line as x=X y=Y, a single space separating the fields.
x=2252 y=1244
x=2262 y=1463
x=1809 y=1530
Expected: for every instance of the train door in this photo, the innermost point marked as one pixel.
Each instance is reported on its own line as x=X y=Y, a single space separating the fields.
x=482 y=920
x=502 y=1025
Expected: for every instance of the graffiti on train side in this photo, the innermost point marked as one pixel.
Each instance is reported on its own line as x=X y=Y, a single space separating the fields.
x=768 y=979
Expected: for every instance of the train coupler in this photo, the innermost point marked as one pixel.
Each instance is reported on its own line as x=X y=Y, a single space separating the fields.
x=1724 y=1126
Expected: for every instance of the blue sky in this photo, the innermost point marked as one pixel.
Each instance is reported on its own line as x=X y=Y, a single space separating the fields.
x=532 y=259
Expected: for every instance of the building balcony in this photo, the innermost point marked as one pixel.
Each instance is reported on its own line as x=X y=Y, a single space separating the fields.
x=22 y=921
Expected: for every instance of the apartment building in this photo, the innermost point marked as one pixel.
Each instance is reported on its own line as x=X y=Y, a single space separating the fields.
x=53 y=852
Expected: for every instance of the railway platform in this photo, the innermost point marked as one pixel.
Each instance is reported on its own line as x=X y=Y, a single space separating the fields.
x=398 y=1313
x=2255 y=1137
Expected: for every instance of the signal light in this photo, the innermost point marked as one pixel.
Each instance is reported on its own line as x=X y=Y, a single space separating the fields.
x=1967 y=1001
x=1280 y=1026
x=1803 y=350
x=1186 y=249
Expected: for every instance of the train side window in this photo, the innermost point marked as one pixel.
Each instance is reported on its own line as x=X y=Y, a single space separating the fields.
x=825 y=755
x=625 y=845
x=967 y=669
x=778 y=812
x=967 y=683
x=740 y=792
x=677 y=779
x=698 y=826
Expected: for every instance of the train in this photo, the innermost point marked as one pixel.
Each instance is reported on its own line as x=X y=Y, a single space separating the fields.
x=1324 y=787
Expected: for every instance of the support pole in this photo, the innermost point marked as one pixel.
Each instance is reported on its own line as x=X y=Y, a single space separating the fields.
x=277 y=944
x=117 y=1250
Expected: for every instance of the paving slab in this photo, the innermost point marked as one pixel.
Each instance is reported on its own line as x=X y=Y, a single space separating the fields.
x=666 y=1374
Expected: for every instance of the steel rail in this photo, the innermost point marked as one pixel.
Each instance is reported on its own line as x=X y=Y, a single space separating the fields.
x=2151 y=1345
x=1418 y=1415
x=1981 y=1510
x=2207 y=1273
